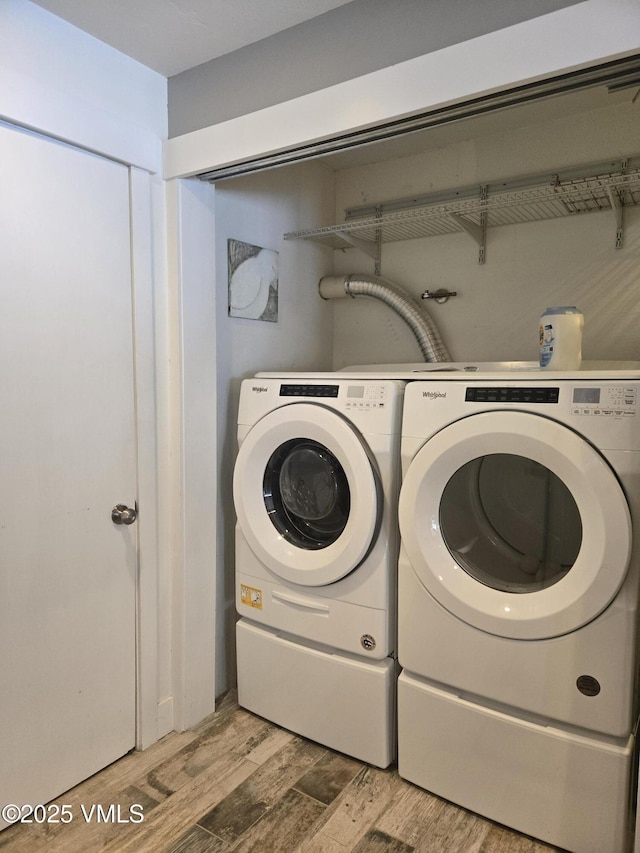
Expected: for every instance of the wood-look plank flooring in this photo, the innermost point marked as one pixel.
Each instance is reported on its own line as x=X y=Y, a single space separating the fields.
x=236 y=782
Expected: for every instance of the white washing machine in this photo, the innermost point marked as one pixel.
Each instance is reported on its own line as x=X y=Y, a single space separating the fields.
x=315 y=489
x=518 y=599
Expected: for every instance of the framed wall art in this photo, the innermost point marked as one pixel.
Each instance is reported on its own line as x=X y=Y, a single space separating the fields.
x=253 y=282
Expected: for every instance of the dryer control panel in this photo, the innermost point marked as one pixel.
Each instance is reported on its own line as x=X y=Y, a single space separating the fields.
x=601 y=400
x=605 y=401
x=605 y=412
x=506 y=394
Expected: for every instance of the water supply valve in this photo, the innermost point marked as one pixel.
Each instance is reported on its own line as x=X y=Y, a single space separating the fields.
x=440 y=296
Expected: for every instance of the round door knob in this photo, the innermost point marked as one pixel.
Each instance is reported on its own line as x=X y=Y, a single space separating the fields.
x=122 y=514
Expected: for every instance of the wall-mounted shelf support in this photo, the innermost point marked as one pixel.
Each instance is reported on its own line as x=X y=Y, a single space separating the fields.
x=378 y=257
x=617 y=209
x=477 y=231
x=613 y=185
x=473 y=230
x=484 y=191
x=370 y=249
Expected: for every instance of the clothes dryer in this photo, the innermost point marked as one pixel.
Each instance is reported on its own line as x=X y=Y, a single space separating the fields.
x=518 y=599
x=315 y=489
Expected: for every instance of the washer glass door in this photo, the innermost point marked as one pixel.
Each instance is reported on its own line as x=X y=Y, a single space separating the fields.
x=515 y=524
x=307 y=494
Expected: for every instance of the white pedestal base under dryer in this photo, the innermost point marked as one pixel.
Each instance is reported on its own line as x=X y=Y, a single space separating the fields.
x=518 y=600
x=315 y=489
x=554 y=783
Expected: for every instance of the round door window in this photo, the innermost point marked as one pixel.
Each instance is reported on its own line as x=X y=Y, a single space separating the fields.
x=510 y=523
x=515 y=524
x=306 y=494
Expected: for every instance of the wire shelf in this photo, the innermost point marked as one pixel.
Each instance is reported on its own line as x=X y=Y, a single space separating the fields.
x=481 y=207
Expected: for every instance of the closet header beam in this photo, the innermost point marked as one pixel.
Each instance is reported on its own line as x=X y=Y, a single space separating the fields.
x=609 y=74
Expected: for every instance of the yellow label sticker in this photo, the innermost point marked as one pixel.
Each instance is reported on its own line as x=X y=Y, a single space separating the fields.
x=250 y=596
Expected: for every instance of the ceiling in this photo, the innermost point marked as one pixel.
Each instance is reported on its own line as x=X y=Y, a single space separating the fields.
x=171 y=36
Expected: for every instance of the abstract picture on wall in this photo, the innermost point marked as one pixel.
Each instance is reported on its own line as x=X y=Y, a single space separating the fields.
x=253 y=282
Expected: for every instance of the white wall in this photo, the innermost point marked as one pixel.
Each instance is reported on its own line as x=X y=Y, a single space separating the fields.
x=67 y=84
x=569 y=261
x=260 y=210
x=347 y=42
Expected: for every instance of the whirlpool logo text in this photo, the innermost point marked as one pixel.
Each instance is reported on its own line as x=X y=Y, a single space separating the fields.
x=434 y=395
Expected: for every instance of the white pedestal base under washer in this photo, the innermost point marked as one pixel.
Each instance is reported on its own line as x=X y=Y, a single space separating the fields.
x=518 y=600
x=315 y=490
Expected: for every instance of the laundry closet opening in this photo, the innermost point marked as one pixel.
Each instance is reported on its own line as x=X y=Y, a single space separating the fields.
x=568 y=259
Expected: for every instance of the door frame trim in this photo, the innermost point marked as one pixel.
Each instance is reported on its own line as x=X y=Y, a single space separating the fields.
x=192 y=467
x=144 y=321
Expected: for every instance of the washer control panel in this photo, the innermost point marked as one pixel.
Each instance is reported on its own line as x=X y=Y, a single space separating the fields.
x=607 y=401
x=354 y=397
x=315 y=390
x=362 y=397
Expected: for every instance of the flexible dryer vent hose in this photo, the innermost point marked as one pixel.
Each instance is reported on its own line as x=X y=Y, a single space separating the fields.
x=424 y=329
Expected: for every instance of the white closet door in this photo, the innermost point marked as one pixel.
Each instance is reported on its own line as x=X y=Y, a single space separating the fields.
x=67 y=456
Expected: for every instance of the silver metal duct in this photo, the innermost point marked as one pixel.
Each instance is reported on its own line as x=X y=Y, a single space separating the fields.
x=425 y=331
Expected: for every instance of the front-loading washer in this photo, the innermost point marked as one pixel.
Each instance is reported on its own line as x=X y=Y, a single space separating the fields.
x=518 y=599
x=315 y=490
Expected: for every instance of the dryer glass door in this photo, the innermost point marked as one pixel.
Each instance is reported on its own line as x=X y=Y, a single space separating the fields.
x=515 y=524
x=307 y=494
x=510 y=522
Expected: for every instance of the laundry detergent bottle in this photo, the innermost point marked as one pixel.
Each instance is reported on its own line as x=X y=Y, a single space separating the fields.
x=561 y=338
